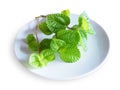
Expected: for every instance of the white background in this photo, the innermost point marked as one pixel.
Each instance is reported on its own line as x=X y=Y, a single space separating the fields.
x=15 y=13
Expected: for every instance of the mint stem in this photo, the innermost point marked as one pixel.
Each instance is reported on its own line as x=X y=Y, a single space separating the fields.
x=43 y=16
x=69 y=27
x=36 y=30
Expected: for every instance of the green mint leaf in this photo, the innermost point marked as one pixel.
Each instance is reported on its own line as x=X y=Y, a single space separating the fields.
x=30 y=38
x=85 y=24
x=32 y=43
x=83 y=33
x=69 y=36
x=83 y=39
x=69 y=53
x=83 y=36
x=39 y=60
x=66 y=12
x=33 y=46
x=34 y=60
x=43 y=27
x=56 y=22
x=47 y=55
x=91 y=29
x=56 y=44
x=75 y=27
x=45 y=44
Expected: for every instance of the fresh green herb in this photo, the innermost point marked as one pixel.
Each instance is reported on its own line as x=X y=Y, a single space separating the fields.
x=66 y=12
x=56 y=22
x=47 y=55
x=43 y=27
x=56 y=44
x=32 y=43
x=85 y=24
x=38 y=60
x=65 y=41
x=45 y=44
x=34 y=60
x=69 y=53
x=83 y=39
x=69 y=36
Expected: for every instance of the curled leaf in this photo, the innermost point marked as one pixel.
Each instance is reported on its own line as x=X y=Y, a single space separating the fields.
x=39 y=60
x=34 y=60
x=85 y=24
x=83 y=39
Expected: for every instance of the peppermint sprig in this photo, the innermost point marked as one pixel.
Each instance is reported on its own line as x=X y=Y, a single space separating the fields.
x=65 y=41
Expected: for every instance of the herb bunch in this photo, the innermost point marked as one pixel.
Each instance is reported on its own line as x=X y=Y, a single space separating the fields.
x=65 y=41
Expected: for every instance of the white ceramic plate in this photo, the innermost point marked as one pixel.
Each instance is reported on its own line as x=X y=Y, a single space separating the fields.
x=98 y=47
